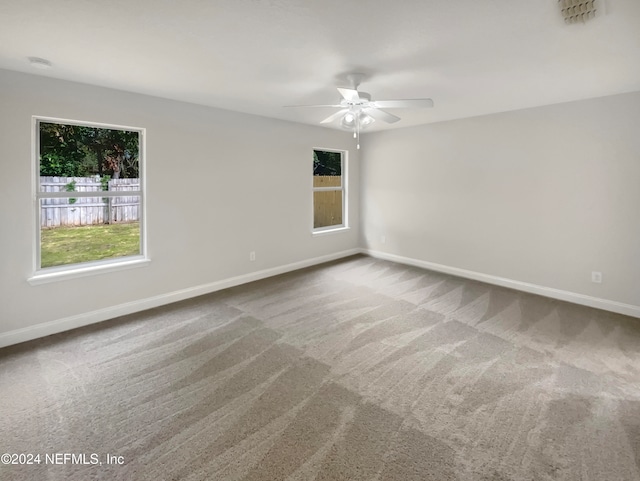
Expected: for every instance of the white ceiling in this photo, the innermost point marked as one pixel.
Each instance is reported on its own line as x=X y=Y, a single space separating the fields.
x=472 y=57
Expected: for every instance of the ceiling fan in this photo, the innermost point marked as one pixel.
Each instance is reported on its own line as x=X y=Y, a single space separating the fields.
x=358 y=111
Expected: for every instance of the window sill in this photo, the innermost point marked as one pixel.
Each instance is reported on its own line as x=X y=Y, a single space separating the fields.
x=63 y=274
x=330 y=230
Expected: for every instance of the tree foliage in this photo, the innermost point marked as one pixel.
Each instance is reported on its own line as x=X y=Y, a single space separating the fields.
x=327 y=163
x=82 y=151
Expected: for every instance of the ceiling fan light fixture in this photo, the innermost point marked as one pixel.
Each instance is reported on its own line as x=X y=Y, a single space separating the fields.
x=348 y=123
x=366 y=119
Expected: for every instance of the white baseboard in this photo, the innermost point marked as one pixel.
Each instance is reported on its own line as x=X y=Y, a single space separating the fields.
x=72 y=322
x=605 y=304
x=53 y=327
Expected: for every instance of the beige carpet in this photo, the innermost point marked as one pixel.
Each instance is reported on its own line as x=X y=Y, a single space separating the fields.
x=356 y=370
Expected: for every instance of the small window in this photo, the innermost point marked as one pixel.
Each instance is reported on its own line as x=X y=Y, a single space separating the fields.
x=89 y=194
x=329 y=199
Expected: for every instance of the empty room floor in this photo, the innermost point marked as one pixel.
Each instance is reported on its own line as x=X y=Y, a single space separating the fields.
x=359 y=369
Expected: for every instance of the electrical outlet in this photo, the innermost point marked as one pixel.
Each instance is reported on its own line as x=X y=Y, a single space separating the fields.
x=596 y=277
x=383 y=239
x=252 y=255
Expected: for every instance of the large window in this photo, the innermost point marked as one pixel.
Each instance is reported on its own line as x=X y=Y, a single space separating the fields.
x=329 y=191
x=89 y=195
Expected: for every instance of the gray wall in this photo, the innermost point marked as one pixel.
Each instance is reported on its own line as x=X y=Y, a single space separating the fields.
x=542 y=196
x=219 y=184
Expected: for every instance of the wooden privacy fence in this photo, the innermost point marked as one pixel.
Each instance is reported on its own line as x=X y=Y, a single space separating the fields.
x=79 y=211
x=327 y=204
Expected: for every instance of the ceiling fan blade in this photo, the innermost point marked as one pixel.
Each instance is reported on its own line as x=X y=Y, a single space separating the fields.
x=333 y=117
x=337 y=105
x=349 y=95
x=403 y=104
x=381 y=115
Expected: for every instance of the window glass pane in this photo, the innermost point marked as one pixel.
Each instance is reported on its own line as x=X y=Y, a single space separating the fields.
x=327 y=206
x=78 y=158
x=76 y=230
x=327 y=169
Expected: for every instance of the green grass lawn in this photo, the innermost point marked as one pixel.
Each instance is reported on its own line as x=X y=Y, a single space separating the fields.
x=71 y=245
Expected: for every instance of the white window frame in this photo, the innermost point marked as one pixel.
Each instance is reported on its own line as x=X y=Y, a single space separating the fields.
x=48 y=274
x=344 y=159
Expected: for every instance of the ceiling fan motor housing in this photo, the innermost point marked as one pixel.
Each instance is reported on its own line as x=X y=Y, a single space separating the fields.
x=364 y=99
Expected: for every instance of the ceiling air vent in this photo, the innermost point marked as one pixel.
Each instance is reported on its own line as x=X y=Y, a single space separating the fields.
x=578 y=11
